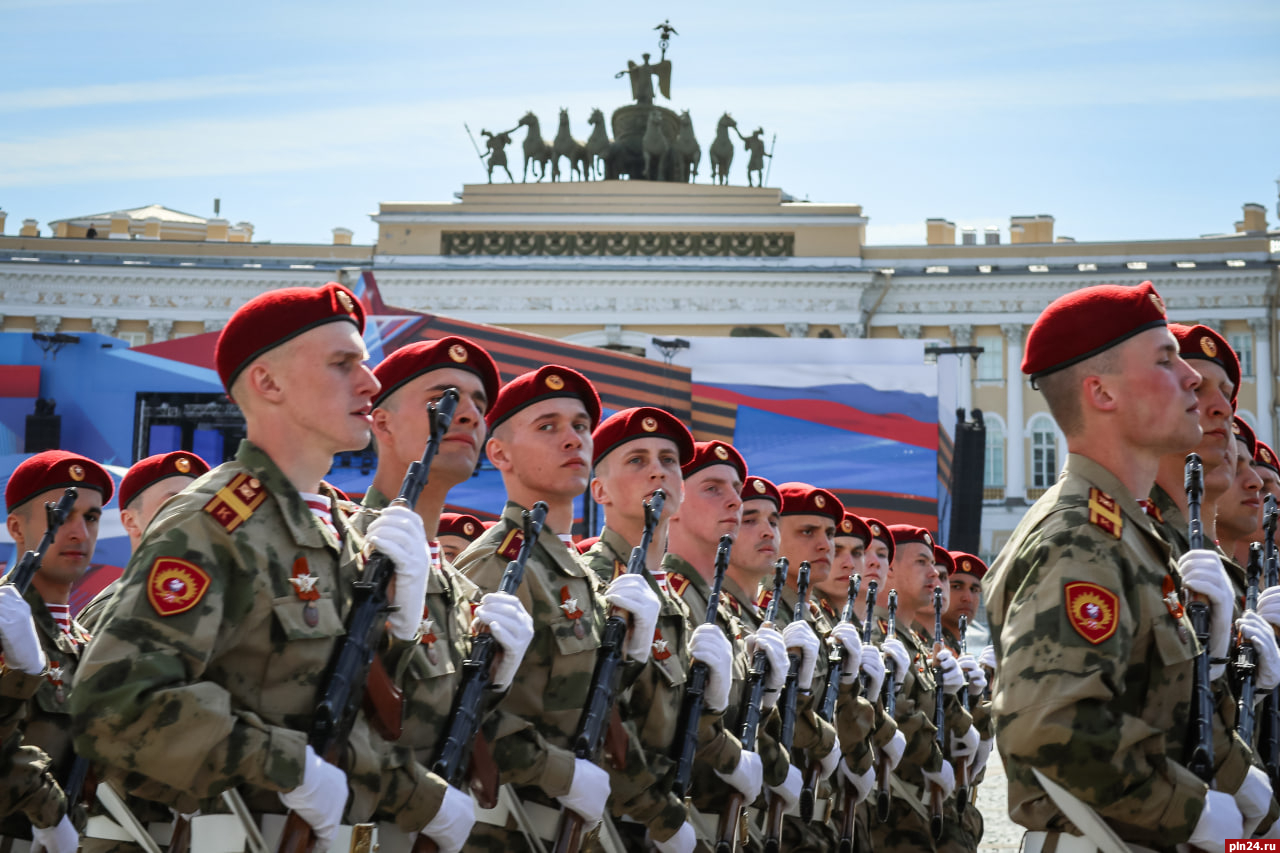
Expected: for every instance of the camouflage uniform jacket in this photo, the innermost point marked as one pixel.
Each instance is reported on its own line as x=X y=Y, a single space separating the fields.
x=207 y=673
x=860 y=722
x=532 y=728
x=29 y=785
x=813 y=735
x=1094 y=679
x=428 y=671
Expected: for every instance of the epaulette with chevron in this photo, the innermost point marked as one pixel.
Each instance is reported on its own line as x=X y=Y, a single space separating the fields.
x=236 y=501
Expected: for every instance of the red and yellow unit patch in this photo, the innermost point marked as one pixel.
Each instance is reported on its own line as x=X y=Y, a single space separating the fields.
x=175 y=586
x=1092 y=610
x=236 y=501
x=1104 y=513
x=678 y=584
x=510 y=547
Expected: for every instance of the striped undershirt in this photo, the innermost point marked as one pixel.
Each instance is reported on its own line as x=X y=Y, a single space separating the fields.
x=320 y=508
x=61 y=614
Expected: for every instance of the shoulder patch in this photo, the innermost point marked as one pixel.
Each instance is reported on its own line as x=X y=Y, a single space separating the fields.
x=619 y=569
x=763 y=597
x=1104 y=513
x=175 y=586
x=510 y=547
x=1092 y=610
x=236 y=501
x=678 y=583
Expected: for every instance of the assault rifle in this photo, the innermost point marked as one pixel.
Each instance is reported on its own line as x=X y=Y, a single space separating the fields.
x=830 y=695
x=1246 y=662
x=1199 y=744
x=790 y=694
x=889 y=701
x=962 y=765
x=55 y=514
x=939 y=718
x=352 y=665
x=1269 y=731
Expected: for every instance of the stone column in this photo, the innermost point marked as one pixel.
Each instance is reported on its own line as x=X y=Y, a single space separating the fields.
x=853 y=330
x=909 y=331
x=214 y=325
x=47 y=324
x=1262 y=375
x=613 y=334
x=160 y=329
x=105 y=326
x=1015 y=477
x=797 y=330
x=963 y=335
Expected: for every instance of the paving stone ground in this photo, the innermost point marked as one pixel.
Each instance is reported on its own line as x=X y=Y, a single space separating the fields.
x=1000 y=835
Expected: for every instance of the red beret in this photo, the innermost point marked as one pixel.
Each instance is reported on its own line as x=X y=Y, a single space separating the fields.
x=153 y=469
x=1266 y=457
x=942 y=557
x=708 y=453
x=545 y=383
x=272 y=318
x=643 y=422
x=853 y=526
x=967 y=564
x=584 y=545
x=1207 y=345
x=1088 y=321
x=410 y=362
x=55 y=469
x=1242 y=431
x=459 y=524
x=904 y=534
x=804 y=499
x=880 y=530
x=758 y=488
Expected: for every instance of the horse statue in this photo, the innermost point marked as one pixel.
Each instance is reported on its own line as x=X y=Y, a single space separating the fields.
x=722 y=150
x=597 y=143
x=537 y=149
x=688 y=153
x=655 y=146
x=566 y=146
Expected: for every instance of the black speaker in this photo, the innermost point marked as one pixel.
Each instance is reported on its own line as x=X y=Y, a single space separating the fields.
x=44 y=432
x=967 y=466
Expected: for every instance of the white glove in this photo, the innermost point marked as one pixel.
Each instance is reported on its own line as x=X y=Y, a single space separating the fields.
x=769 y=640
x=897 y=655
x=949 y=669
x=451 y=827
x=1269 y=605
x=862 y=784
x=747 y=777
x=684 y=841
x=846 y=636
x=709 y=645
x=966 y=746
x=398 y=533
x=799 y=636
x=1259 y=633
x=789 y=790
x=973 y=671
x=321 y=798
x=827 y=764
x=873 y=668
x=18 y=637
x=984 y=752
x=1202 y=572
x=944 y=778
x=511 y=627
x=1253 y=799
x=589 y=790
x=632 y=594
x=59 y=838
x=988 y=658
x=1219 y=821
x=894 y=749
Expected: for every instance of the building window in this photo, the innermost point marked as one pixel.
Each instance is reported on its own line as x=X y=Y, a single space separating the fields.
x=133 y=339
x=1044 y=452
x=1242 y=343
x=993 y=468
x=991 y=362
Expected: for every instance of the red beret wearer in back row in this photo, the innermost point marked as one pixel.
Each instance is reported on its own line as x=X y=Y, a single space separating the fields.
x=1244 y=434
x=548 y=382
x=1088 y=321
x=758 y=488
x=853 y=526
x=880 y=530
x=162 y=466
x=642 y=422
x=708 y=453
x=1204 y=344
x=804 y=499
x=1266 y=457
x=56 y=469
x=967 y=564
x=277 y=316
x=421 y=357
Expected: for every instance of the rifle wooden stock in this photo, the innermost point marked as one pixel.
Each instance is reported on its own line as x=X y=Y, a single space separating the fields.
x=848 y=821
x=773 y=826
x=180 y=836
x=790 y=694
x=595 y=720
x=827 y=708
x=889 y=700
x=344 y=686
x=1198 y=750
x=727 y=828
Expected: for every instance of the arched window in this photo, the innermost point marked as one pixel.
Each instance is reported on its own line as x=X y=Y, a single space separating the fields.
x=993 y=466
x=1044 y=452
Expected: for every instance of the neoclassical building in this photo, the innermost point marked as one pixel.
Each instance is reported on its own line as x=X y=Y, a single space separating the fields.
x=615 y=264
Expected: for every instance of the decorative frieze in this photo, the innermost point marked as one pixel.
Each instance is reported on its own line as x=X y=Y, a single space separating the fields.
x=620 y=243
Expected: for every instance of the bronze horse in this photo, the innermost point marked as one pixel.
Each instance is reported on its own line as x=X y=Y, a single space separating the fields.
x=537 y=149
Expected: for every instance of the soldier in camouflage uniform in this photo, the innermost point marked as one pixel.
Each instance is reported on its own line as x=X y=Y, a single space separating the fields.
x=541 y=443
x=1239 y=521
x=38 y=806
x=429 y=671
x=1095 y=650
x=206 y=675
x=636 y=452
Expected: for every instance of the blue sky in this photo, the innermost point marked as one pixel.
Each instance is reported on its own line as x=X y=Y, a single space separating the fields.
x=1127 y=119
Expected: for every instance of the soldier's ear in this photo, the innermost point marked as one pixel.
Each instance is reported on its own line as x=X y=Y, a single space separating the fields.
x=14 y=525
x=1097 y=394
x=496 y=450
x=599 y=493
